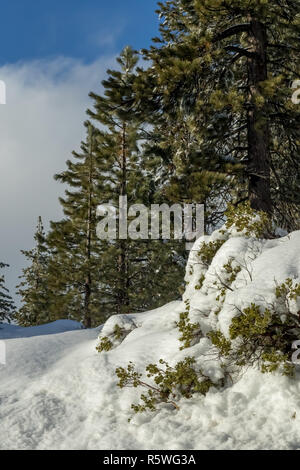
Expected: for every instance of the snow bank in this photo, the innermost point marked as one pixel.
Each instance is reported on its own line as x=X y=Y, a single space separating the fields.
x=57 y=392
x=263 y=263
x=59 y=326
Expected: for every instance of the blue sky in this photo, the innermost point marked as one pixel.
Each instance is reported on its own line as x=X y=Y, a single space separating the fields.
x=83 y=29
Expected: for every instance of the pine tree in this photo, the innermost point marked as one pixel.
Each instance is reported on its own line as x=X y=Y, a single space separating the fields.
x=120 y=142
x=182 y=176
x=33 y=289
x=143 y=273
x=93 y=278
x=7 y=307
x=225 y=70
x=75 y=269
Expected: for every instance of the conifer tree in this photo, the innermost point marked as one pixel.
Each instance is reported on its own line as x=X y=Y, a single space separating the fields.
x=143 y=273
x=114 y=111
x=171 y=150
x=33 y=289
x=75 y=267
x=93 y=278
x=225 y=69
x=7 y=307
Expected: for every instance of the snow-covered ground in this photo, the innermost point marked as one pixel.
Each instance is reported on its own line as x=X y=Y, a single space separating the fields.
x=58 y=392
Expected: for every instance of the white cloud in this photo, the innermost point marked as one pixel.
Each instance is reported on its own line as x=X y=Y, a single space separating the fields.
x=41 y=124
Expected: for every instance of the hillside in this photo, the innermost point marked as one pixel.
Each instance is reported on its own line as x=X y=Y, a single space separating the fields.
x=58 y=392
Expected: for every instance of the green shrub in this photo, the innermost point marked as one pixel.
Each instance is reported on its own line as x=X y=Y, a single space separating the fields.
x=199 y=285
x=208 y=251
x=265 y=337
x=169 y=383
x=251 y=323
x=288 y=291
x=222 y=293
x=231 y=274
x=105 y=345
x=222 y=344
x=272 y=361
x=190 y=332
x=243 y=217
x=231 y=271
x=258 y=336
x=118 y=335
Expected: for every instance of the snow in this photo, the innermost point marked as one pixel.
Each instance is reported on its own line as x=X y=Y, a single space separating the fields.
x=58 y=392
x=263 y=263
x=8 y=331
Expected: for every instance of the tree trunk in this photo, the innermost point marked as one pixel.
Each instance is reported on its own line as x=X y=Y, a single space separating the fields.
x=87 y=296
x=123 y=299
x=257 y=121
x=88 y=280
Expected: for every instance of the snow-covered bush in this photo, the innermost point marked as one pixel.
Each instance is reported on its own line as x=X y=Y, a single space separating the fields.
x=208 y=251
x=114 y=332
x=240 y=310
x=190 y=332
x=105 y=344
x=248 y=325
x=263 y=337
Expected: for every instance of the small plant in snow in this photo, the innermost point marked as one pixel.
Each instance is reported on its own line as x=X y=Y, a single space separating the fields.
x=208 y=251
x=286 y=292
x=104 y=345
x=260 y=336
x=116 y=338
x=230 y=276
x=119 y=333
x=190 y=332
x=222 y=344
x=199 y=285
x=169 y=383
x=221 y=296
x=231 y=271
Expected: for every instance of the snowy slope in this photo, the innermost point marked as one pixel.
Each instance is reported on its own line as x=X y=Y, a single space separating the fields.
x=57 y=392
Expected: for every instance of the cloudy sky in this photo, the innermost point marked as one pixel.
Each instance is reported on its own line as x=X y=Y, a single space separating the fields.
x=53 y=53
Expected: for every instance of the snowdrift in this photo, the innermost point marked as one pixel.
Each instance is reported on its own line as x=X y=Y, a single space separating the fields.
x=58 y=392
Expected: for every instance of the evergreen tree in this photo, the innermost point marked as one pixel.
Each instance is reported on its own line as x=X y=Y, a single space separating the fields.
x=143 y=273
x=120 y=143
x=172 y=152
x=224 y=69
x=33 y=289
x=92 y=278
x=7 y=307
x=75 y=269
